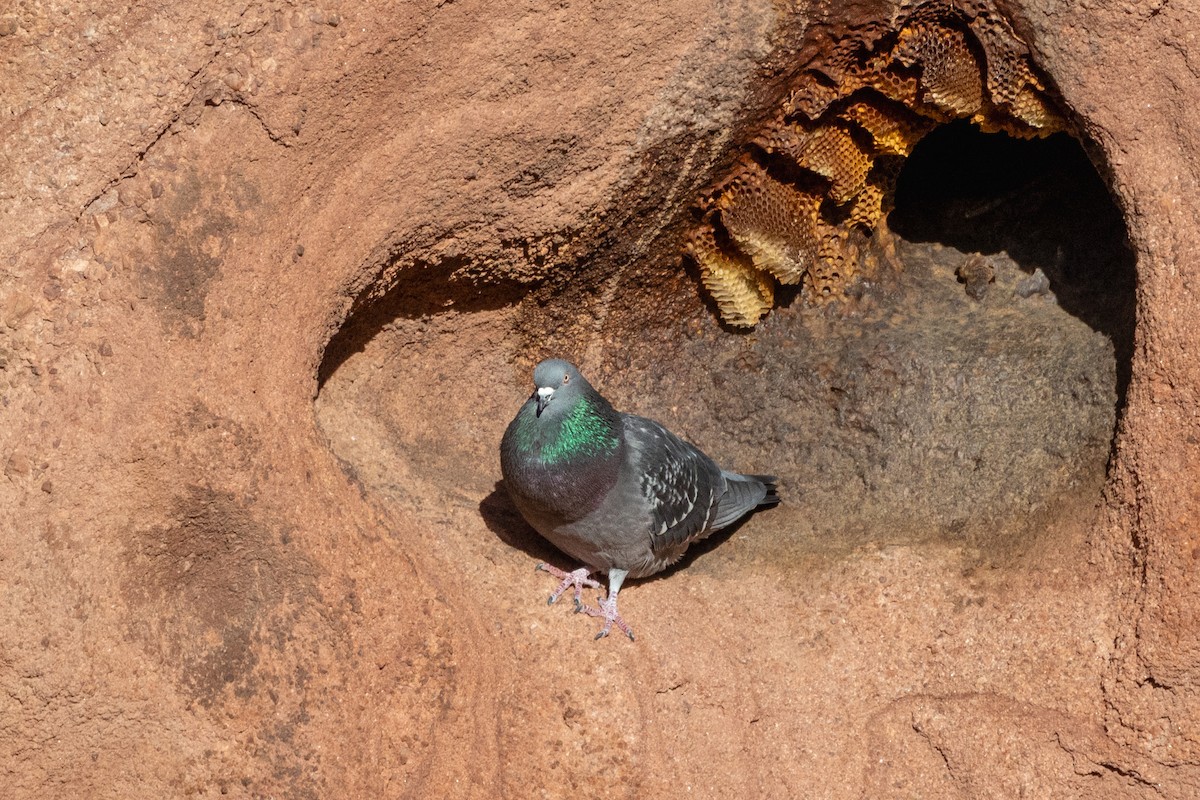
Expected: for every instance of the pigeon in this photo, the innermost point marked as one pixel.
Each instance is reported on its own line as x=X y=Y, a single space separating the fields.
x=618 y=492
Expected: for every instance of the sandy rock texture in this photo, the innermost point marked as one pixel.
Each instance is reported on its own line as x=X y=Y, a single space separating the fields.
x=271 y=280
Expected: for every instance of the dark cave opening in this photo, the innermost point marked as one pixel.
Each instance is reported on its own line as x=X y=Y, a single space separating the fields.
x=1041 y=202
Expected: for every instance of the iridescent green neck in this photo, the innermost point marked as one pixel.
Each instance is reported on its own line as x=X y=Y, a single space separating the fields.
x=586 y=430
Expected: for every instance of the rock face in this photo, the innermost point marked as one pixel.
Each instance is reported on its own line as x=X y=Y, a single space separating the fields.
x=273 y=278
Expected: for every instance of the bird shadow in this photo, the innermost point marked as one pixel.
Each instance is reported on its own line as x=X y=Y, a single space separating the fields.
x=503 y=519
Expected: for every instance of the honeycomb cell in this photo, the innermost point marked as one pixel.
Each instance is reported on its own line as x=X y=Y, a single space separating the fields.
x=1000 y=123
x=780 y=137
x=893 y=129
x=774 y=224
x=1031 y=107
x=742 y=293
x=812 y=98
x=883 y=74
x=826 y=82
x=950 y=74
x=1012 y=83
x=868 y=206
x=832 y=152
x=827 y=280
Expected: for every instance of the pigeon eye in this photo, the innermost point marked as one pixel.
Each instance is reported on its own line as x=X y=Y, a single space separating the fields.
x=566 y=379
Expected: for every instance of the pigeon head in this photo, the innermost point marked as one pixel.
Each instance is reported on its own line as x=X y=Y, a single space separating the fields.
x=564 y=420
x=557 y=385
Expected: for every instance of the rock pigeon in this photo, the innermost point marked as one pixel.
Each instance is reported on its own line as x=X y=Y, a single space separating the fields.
x=618 y=492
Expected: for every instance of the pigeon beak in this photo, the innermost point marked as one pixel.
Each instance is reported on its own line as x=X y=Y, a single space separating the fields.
x=544 y=393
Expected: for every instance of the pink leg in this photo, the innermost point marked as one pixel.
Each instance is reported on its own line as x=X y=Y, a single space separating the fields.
x=608 y=610
x=579 y=578
x=608 y=606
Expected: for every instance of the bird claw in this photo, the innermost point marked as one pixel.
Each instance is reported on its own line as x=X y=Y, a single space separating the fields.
x=608 y=610
x=578 y=579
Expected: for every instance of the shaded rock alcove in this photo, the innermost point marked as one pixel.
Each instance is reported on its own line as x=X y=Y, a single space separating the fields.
x=969 y=393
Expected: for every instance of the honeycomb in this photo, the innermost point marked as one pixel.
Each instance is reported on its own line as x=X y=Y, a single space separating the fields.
x=835 y=266
x=890 y=79
x=821 y=176
x=771 y=222
x=868 y=205
x=893 y=130
x=950 y=75
x=1008 y=69
x=742 y=293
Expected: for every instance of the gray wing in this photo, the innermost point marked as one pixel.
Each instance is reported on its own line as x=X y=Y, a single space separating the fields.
x=680 y=484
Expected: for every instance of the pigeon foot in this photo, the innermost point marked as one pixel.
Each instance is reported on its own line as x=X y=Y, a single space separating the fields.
x=608 y=611
x=579 y=578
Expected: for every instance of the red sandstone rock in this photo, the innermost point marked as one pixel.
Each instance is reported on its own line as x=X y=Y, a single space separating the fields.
x=220 y=595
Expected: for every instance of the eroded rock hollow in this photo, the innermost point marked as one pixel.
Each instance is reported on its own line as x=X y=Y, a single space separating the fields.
x=275 y=279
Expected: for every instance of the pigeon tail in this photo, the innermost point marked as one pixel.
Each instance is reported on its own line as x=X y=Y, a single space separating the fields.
x=743 y=494
x=770 y=481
